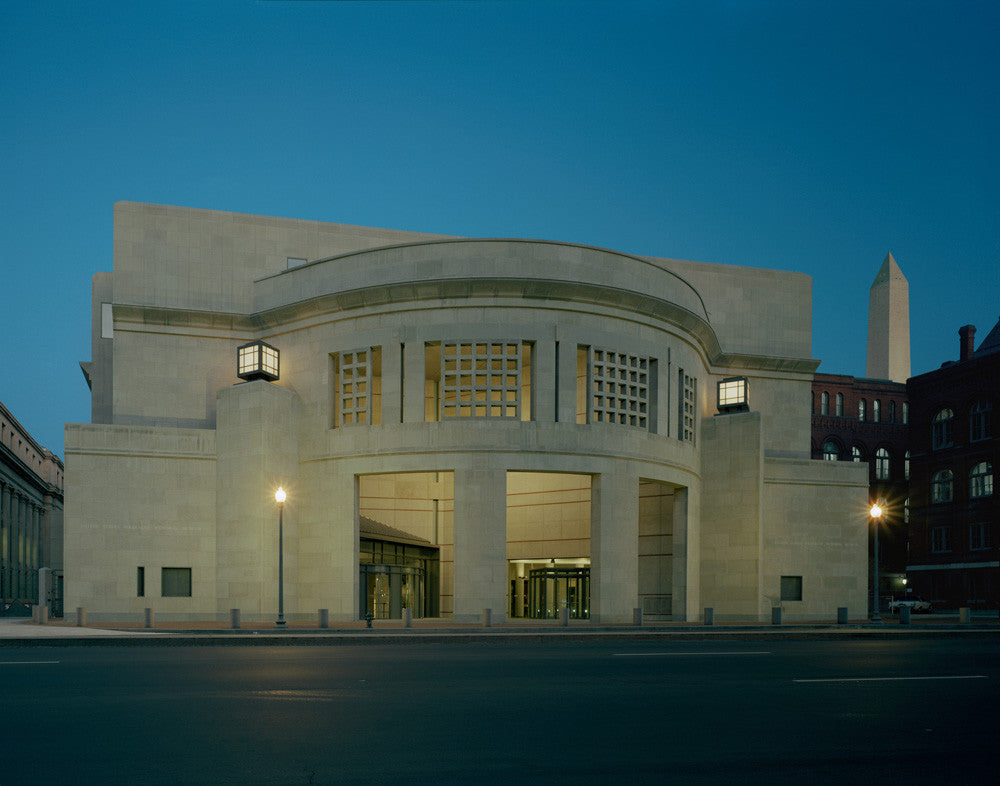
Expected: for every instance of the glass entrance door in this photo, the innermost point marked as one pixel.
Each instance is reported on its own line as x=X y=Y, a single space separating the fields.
x=552 y=588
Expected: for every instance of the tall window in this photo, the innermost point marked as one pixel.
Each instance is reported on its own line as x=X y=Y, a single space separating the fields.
x=689 y=411
x=840 y=405
x=881 y=464
x=941 y=539
x=941 y=483
x=941 y=433
x=824 y=403
x=357 y=385
x=906 y=465
x=830 y=451
x=979 y=420
x=906 y=412
x=892 y=411
x=877 y=411
x=861 y=409
x=979 y=536
x=981 y=480
x=856 y=454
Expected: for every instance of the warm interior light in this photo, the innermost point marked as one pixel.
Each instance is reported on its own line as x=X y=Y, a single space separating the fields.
x=257 y=360
x=732 y=394
x=279 y=495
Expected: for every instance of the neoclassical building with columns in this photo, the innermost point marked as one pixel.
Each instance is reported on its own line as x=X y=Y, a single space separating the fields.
x=532 y=427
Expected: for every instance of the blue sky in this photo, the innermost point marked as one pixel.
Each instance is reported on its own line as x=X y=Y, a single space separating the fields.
x=794 y=135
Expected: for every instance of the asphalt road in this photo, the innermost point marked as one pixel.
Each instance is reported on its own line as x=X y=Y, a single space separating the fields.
x=908 y=712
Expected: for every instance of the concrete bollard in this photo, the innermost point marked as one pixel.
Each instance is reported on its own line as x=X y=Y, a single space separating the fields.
x=487 y=617
x=904 y=615
x=81 y=616
x=324 y=618
x=234 y=619
x=149 y=618
x=842 y=615
x=564 y=616
x=407 y=618
x=963 y=615
x=709 y=615
x=637 y=617
x=776 y=615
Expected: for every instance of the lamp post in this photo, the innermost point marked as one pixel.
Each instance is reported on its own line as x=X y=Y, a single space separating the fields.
x=279 y=497
x=876 y=512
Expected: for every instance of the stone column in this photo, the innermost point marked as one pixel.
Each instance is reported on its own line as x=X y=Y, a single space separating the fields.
x=614 y=546
x=413 y=382
x=681 y=611
x=4 y=539
x=480 y=543
x=392 y=397
x=567 y=382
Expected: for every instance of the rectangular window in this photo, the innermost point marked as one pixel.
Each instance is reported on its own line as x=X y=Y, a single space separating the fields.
x=175 y=583
x=688 y=406
x=619 y=391
x=941 y=539
x=979 y=536
x=481 y=379
x=357 y=385
x=140 y=582
x=791 y=588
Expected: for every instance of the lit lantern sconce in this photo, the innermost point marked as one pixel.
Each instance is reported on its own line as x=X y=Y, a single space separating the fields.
x=257 y=360
x=733 y=395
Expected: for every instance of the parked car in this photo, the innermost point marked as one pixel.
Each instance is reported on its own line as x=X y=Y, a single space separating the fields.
x=915 y=603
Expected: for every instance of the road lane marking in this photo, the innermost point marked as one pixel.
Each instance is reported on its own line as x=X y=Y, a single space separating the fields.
x=683 y=654
x=899 y=679
x=25 y=662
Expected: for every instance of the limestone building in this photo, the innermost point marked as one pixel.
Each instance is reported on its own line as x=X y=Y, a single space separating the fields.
x=31 y=510
x=459 y=424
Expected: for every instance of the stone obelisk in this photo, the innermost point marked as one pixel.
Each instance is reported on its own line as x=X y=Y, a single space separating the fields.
x=889 y=324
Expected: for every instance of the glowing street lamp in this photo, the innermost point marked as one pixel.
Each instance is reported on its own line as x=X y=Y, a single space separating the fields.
x=279 y=497
x=877 y=511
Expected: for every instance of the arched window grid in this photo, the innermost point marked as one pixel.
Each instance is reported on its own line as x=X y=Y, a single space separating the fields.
x=941 y=486
x=856 y=455
x=981 y=480
x=831 y=451
x=941 y=429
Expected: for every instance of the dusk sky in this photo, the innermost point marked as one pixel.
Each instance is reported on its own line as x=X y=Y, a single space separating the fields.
x=796 y=135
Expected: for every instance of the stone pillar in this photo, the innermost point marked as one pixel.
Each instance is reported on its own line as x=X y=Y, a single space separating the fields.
x=614 y=546
x=684 y=604
x=392 y=383
x=413 y=382
x=4 y=535
x=544 y=382
x=257 y=425
x=480 y=542
x=567 y=381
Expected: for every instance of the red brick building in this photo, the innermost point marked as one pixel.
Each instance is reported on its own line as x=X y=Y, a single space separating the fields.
x=954 y=554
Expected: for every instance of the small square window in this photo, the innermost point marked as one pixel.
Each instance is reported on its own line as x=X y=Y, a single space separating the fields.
x=791 y=588
x=175 y=583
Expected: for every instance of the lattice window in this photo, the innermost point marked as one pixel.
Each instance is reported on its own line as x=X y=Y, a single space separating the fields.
x=690 y=408
x=481 y=379
x=355 y=387
x=619 y=388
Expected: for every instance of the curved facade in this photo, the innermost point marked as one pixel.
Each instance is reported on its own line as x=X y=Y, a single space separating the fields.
x=456 y=421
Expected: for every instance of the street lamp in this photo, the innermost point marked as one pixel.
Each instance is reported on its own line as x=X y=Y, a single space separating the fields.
x=877 y=511
x=279 y=497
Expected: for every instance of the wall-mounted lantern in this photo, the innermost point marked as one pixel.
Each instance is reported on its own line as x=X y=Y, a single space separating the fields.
x=257 y=360
x=733 y=394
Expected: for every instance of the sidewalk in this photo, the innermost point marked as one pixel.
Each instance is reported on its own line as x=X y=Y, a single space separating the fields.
x=14 y=631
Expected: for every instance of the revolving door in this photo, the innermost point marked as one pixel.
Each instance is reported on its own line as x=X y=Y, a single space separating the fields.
x=551 y=588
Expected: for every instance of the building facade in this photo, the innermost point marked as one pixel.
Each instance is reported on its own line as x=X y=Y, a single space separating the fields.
x=954 y=550
x=459 y=424
x=31 y=510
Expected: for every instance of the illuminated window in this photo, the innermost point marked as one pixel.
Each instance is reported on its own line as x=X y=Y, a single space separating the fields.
x=619 y=388
x=861 y=409
x=357 y=382
x=732 y=394
x=824 y=403
x=481 y=380
x=981 y=480
x=906 y=465
x=881 y=464
x=877 y=411
x=831 y=451
x=856 y=454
